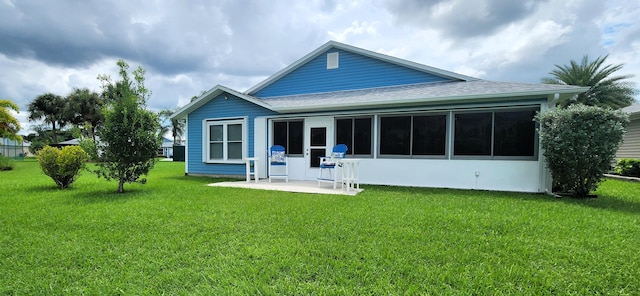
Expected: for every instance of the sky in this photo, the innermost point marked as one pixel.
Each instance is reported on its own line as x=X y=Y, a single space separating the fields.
x=188 y=47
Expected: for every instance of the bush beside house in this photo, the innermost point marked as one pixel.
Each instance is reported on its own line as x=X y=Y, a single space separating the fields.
x=580 y=144
x=628 y=167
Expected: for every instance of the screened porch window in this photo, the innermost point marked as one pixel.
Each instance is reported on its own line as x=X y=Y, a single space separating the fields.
x=502 y=134
x=356 y=133
x=290 y=135
x=413 y=135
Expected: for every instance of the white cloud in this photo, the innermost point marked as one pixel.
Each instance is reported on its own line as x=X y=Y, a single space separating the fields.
x=190 y=48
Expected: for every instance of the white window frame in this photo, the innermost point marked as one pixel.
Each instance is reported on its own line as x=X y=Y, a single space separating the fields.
x=206 y=141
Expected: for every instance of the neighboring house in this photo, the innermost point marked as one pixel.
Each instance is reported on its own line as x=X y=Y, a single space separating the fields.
x=166 y=148
x=72 y=142
x=410 y=124
x=13 y=149
x=630 y=147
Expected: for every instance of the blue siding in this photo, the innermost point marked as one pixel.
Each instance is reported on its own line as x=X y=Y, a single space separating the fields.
x=220 y=108
x=355 y=71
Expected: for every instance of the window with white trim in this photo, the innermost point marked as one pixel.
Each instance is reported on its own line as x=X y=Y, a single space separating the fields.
x=225 y=140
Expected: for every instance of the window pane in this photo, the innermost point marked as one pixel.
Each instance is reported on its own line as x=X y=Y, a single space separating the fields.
x=295 y=137
x=514 y=133
x=215 y=151
x=315 y=157
x=318 y=136
x=215 y=133
x=472 y=134
x=234 y=150
x=395 y=135
x=280 y=133
x=429 y=135
x=344 y=133
x=362 y=136
x=234 y=132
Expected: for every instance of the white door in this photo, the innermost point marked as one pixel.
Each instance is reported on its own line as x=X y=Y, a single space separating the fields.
x=318 y=142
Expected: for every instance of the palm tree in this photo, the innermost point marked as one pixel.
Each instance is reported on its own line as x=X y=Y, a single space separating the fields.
x=49 y=107
x=9 y=125
x=605 y=90
x=177 y=126
x=84 y=107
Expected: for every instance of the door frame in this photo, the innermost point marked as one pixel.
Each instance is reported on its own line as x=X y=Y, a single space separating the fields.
x=327 y=122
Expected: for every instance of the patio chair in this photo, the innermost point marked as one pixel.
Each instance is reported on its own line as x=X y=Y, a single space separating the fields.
x=278 y=168
x=328 y=165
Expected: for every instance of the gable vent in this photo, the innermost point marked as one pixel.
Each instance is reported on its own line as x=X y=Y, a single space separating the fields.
x=332 y=60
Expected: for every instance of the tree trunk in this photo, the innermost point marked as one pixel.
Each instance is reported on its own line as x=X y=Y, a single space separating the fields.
x=55 y=135
x=121 y=186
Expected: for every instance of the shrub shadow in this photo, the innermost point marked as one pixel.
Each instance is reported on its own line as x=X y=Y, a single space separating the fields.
x=605 y=202
x=602 y=202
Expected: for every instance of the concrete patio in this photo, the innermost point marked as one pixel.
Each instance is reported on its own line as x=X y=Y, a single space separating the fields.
x=291 y=186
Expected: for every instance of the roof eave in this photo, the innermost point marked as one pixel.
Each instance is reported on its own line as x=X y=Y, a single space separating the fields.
x=212 y=93
x=476 y=98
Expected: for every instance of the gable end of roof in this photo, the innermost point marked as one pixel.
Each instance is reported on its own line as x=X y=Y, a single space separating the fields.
x=371 y=54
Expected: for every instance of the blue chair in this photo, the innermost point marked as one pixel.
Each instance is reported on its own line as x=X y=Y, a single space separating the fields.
x=278 y=168
x=328 y=164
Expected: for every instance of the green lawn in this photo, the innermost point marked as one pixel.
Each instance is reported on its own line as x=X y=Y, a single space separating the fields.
x=175 y=235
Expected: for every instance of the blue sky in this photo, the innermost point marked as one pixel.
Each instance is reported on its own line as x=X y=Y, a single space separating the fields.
x=190 y=46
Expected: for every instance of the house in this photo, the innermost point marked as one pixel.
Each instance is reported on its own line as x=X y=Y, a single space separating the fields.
x=408 y=123
x=630 y=147
x=71 y=142
x=166 y=148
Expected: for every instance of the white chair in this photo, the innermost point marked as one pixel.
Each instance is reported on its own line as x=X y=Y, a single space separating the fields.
x=328 y=172
x=278 y=168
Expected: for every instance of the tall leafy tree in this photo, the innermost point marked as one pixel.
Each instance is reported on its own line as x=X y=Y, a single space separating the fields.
x=176 y=126
x=50 y=108
x=605 y=88
x=84 y=108
x=129 y=137
x=9 y=125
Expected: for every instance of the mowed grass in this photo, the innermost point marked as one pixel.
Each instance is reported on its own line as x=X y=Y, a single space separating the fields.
x=175 y=235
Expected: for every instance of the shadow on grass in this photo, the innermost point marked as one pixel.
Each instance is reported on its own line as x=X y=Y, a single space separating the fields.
x=603 y=202
x=201 y=179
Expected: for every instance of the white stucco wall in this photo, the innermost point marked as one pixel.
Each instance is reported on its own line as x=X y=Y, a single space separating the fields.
x=505 y=175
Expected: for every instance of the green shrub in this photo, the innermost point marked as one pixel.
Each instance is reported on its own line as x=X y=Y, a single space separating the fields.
x=6 y=164
x=579 y=144
x=62 y=165
x=628 y=167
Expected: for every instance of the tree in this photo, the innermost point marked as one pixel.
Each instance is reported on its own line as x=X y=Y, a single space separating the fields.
x=580 y=143
x=84 y=108
x=129 y=137
x=49 y=107
x=9 y=125
x=605 y=90
x=177 y=125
